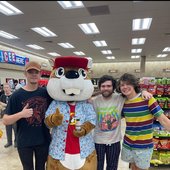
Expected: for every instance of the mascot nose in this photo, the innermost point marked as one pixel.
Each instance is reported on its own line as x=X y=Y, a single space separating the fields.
x=72 y=74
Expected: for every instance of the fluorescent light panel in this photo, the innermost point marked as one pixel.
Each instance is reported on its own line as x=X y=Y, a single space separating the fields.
x=139 y=50
x=66 y=45
x=167 y=49
x=138 y=41
x=141 y=24
x=71 y=4
x=8 y=9
x=161 y=55
x=106 y=51
x=44 y=31
x=34 y=46
x=135 y=56
x=7 y=35
x=101 y=43
x=110 y=57
x=54 y=54
x=78 y=53
x=89 y=28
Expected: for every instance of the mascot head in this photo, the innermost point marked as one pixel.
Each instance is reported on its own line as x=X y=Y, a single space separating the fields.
x=69 y=80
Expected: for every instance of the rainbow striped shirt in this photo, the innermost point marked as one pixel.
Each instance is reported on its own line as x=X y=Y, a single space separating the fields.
x=139 y=114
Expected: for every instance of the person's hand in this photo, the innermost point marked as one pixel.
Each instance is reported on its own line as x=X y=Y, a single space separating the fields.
x=26 y=111
x=146 y=95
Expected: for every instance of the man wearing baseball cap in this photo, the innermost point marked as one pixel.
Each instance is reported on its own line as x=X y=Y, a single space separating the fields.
x=27 y=107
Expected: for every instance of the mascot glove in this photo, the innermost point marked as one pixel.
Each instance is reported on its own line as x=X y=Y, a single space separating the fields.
x=55 y=119
x=85 y=129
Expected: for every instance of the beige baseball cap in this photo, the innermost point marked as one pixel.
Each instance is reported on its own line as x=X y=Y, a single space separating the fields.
x=33 y=65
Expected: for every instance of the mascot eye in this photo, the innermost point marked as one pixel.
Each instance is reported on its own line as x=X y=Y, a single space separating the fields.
x=59 y=72
x=82 y=72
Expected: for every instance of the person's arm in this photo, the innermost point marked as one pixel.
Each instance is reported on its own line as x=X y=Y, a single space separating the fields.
x=146 y=95
x=164 y=121
x=11 y=119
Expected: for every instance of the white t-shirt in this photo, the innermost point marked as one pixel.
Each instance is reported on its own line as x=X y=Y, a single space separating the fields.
x=108 y=128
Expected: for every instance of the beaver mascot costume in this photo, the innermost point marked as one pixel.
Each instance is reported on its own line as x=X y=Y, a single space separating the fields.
x=70 y=117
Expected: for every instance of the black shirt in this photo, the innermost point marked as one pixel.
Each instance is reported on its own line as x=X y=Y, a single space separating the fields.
x=30 y=131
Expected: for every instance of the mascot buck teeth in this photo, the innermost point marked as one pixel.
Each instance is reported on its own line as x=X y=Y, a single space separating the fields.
x=70 y=116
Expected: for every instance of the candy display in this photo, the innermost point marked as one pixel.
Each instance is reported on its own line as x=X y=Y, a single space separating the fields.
x=155 y=86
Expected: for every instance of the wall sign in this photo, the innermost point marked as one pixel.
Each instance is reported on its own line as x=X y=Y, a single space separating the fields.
x=11 y=58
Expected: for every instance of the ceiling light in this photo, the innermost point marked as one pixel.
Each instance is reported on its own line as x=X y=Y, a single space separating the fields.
x=71 y=4
x=66 y=45
x=34 y=46
x=135 y=56
x=141 y=24
x=110 y=57
x=138 y=41
x=89 y=28
x=100 y=43
x=106 y=51
x=54 y=54
x=162 y=55
x=7 y=9
x=167 y=49
x=7 y=35
x=139 y=50
x=44 y=31
x=78 y=53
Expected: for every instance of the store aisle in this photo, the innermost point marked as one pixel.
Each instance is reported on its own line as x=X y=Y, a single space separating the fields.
x=9 y=159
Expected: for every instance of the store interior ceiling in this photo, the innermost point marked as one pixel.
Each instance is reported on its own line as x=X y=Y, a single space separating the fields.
x=112 y=18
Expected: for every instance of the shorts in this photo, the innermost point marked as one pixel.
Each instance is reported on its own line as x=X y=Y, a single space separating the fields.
x=141 y=157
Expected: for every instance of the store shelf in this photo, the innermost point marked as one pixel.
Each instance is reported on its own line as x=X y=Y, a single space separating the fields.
x=160 y=149
x=161 y=95
x=160 y=165
x=162 y=137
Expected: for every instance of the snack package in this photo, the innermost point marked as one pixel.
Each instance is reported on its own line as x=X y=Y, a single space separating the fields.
x=160 y=89
x=167 y=113
x=164 y=80
x=164 y=157
x=164 y=144
x=161 y=101
x=155 y=155
x=152 y=89
x=168 y=102
x=167 y=89
x=155 y=143
x=143 y=87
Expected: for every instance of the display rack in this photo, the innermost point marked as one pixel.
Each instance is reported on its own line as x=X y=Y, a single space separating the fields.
x=161 y=137
x=160 y=88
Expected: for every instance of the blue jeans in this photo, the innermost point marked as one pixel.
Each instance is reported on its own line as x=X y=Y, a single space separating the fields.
x=112 y=152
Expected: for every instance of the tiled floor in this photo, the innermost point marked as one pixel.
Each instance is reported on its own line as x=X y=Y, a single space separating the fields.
x=9 y=157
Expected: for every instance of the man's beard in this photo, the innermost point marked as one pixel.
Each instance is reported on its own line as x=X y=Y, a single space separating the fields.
x=106 y=94
x=33 y=83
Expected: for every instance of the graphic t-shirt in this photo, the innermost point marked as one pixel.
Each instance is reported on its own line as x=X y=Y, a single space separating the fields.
x=30 y=131
x=108 y=129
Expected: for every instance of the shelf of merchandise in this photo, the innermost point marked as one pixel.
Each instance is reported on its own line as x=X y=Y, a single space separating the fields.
x=158 y=162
